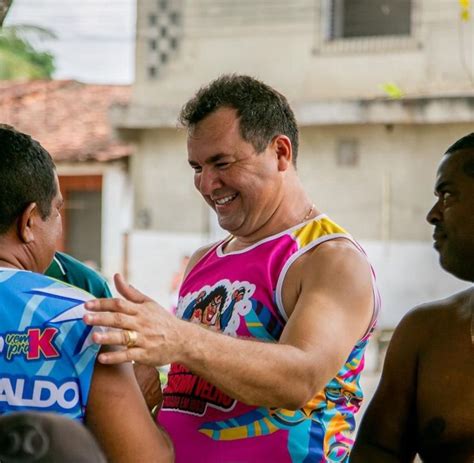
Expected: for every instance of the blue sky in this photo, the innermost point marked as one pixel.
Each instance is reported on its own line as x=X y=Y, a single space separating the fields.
x=95 y=38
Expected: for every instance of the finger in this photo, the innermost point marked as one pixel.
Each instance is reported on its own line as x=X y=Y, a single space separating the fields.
x=113 y=338
x=128 y=291
x=110 y=320
x=111 y=305
x=120 y=356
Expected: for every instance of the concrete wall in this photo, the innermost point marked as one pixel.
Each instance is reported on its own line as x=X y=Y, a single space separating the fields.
x=285 y=44
x=165 y=198
x=408 y=274
x=388 y=194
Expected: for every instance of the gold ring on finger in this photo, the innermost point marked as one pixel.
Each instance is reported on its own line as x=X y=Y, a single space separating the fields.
x=131 y=338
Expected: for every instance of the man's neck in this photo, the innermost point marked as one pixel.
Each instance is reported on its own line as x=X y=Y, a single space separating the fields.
x=276 y=225
x=7 y=264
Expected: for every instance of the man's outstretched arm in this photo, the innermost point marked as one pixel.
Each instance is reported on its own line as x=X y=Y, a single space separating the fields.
x=388 y=430
x=332 y=310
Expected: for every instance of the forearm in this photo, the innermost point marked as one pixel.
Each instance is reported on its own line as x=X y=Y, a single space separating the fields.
x=254 y=372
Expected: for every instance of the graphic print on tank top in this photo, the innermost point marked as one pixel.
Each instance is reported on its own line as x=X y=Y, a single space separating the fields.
x=227 y=307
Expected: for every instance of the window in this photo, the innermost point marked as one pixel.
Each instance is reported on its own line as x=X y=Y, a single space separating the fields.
x=369 y=18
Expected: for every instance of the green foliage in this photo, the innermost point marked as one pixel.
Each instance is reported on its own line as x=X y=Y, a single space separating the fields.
x=18 y=57
x=392 y=90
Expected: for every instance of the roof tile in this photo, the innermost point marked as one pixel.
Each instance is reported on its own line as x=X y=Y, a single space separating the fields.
x=69 y=118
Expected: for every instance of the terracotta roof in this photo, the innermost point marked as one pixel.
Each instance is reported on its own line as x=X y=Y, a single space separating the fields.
x=69 y=118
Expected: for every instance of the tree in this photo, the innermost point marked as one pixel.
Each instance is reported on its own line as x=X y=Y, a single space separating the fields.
x=18 y=57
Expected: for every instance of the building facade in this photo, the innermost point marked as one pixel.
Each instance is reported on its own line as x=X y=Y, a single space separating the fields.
x=380 y=89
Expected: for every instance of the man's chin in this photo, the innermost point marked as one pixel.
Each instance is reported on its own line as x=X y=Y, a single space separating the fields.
x=460 y=268
x=227 y=225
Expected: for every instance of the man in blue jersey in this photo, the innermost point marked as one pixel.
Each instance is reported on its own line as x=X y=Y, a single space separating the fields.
x=47 y=359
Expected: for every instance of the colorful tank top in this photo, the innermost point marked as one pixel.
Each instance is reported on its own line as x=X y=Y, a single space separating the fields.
x=46 y=353
x=239 y=294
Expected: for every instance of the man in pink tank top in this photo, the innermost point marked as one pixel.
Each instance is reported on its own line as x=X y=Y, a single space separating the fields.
x=268 y=343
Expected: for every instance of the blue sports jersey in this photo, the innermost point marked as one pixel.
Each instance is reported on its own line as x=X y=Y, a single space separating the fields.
x=46 y=352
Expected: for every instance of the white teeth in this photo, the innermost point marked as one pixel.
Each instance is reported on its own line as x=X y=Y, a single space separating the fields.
x=225 y=200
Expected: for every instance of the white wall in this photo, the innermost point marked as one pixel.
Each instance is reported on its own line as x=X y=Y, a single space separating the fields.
x=154 y=257
x=163 y=183
x=117 y=207
x=408 y=274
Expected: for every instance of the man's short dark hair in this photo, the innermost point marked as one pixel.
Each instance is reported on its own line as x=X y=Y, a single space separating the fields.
x=26 y=176
x=465 y=143
x=262 y=111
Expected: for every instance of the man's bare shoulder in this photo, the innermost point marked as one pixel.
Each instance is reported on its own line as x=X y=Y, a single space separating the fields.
x=455 y=307
x=337 y=251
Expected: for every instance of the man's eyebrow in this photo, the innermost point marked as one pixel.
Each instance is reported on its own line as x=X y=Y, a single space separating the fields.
x=441 y=185
x=211 y=160
x=215 y=158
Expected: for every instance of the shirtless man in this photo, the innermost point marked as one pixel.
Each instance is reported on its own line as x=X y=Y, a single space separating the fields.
x=425 y=401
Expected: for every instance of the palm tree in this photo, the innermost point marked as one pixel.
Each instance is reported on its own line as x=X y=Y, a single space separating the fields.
x=18 y=57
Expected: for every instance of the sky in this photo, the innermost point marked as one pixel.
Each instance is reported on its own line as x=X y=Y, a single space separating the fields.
x=95 y=38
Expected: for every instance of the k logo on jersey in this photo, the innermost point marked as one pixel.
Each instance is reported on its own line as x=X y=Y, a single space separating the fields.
x=32 y=344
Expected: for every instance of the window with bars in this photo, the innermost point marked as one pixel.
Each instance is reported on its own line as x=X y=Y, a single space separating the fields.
x=369 y=18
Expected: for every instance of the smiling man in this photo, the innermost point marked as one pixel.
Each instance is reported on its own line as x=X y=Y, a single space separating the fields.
x=425 y=401
x=272 y=322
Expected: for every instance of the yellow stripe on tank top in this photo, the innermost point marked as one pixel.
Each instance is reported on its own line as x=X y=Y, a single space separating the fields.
x=316 y=229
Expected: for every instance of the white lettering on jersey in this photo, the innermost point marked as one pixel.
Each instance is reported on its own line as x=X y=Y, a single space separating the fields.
x=45 y=394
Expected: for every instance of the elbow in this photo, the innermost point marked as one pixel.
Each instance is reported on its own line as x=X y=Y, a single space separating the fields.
x=287 y=398
x=298 y=395
x=294 y=405
x=297 y=402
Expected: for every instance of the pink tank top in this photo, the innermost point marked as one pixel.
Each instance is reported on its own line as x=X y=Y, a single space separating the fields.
x=239 y=294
